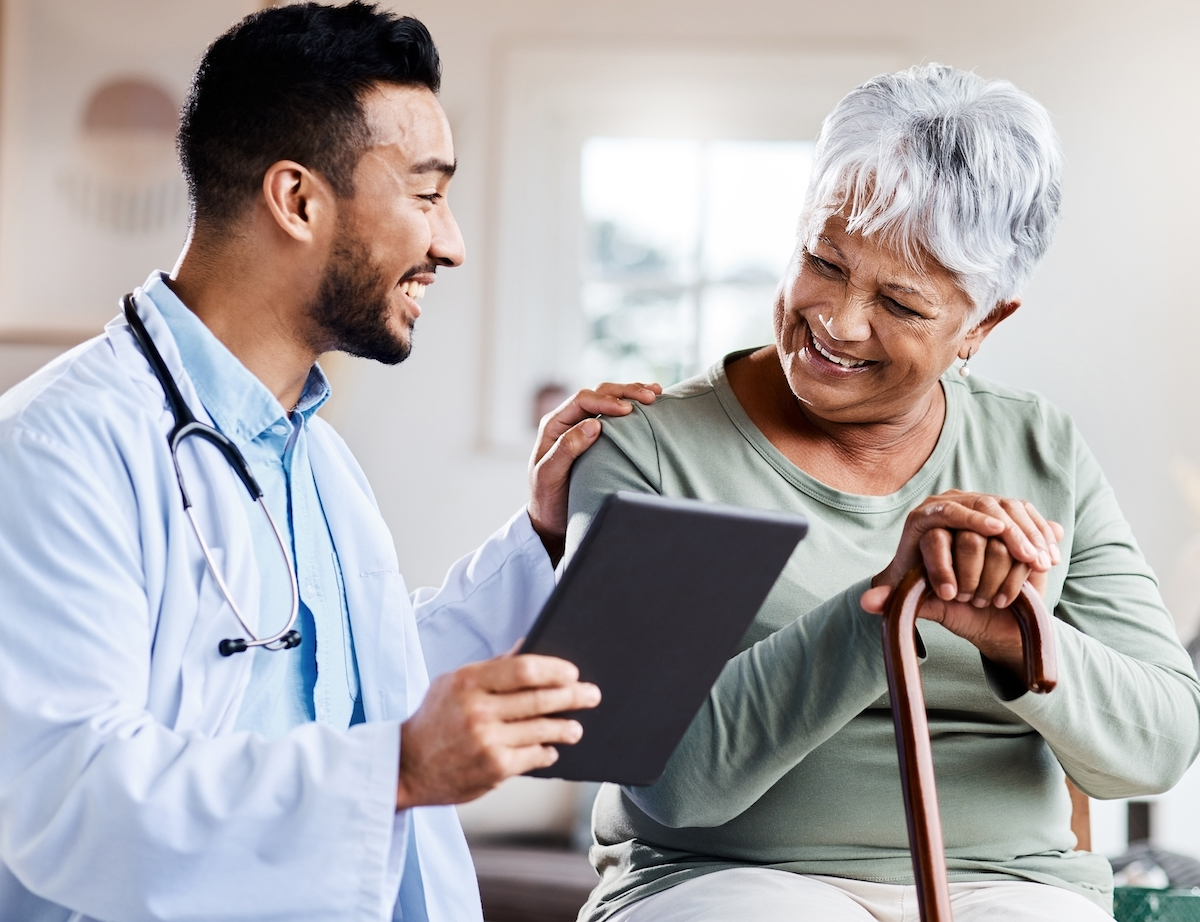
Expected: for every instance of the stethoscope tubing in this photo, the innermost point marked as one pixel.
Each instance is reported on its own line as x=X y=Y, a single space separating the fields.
x=187 y=426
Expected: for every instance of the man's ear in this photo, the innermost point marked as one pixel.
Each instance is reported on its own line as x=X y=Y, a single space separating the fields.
x=300 y=201
x=979 y=333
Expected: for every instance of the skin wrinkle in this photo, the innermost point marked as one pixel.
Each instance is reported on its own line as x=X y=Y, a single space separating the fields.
x=870 y=431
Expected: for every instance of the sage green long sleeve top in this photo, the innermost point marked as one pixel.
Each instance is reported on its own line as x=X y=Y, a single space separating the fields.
x=791 y=762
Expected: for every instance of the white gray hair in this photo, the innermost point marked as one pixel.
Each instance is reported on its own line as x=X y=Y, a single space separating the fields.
x=935 y=161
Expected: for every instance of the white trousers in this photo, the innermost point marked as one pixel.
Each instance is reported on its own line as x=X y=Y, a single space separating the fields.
x=767 y=895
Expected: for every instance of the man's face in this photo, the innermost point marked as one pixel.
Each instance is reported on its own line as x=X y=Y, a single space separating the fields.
x=394 y=233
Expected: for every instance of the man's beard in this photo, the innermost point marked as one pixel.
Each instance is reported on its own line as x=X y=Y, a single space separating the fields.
x=351 y=308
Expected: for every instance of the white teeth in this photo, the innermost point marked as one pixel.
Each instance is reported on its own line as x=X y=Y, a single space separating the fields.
x=413 y=289
x=845 y=363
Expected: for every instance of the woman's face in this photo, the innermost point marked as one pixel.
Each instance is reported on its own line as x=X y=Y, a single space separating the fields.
x=863 y=338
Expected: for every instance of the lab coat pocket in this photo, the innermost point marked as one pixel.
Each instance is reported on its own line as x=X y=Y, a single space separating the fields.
x=212 y=684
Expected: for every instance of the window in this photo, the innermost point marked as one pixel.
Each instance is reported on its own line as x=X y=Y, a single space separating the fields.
x=686 y=241
x=645 y=209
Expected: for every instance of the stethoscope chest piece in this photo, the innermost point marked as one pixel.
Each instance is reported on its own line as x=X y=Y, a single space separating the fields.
x=239 y=645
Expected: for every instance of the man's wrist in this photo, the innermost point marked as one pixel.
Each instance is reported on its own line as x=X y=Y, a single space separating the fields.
x=405 y=796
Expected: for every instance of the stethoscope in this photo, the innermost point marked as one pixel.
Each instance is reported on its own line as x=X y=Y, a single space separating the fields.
x=186 y=426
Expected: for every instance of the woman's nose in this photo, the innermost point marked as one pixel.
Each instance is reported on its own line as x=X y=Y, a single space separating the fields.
x=848 y=321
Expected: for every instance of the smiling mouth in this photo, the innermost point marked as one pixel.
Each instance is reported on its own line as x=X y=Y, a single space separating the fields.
x=838 y=360
x=413 y=289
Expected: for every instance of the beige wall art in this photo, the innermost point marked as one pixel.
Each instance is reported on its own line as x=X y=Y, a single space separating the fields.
x=91 y=198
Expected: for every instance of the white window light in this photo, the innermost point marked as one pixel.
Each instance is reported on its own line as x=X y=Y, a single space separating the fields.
x=685 y=243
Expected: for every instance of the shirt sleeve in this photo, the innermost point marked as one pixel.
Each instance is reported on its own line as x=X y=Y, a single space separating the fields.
x=1124 y=719
x=488 y=600
x=107 y=811
x=746 y=736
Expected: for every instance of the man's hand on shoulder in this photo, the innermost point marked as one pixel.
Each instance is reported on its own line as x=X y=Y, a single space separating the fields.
x=486 y=722
x=564 y=435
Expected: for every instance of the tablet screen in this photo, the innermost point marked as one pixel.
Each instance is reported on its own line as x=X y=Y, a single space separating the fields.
x=650 y=609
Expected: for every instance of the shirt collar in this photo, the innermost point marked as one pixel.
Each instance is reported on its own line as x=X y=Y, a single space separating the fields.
x=241 y=406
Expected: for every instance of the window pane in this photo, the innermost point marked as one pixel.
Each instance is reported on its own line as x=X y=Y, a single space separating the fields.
x=687 y=241
x=641 y=208
x=637 y=334
x=734 y=317
x=754 y=193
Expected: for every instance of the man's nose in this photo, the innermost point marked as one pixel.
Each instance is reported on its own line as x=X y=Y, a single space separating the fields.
x=446 y=246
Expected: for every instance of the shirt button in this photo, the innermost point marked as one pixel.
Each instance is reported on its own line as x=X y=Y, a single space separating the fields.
x=280 y=429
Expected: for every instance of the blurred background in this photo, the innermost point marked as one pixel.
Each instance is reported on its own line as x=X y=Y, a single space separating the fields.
x=630 y=174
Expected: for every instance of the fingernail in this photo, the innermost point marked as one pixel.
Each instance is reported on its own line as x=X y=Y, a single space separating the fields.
x=1055 y=554
x=964 y=596
x=946 y=591
x=979 y=603
x=593 y=694
x=576 y=730
x=1000 y=601
x=591 y=428
x=1044 y=559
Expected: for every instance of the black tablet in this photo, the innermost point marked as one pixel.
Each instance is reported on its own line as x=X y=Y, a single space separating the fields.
x=650 y=608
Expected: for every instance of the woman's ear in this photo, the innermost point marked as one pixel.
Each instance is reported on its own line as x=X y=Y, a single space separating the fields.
x=980 y=332
x=300 y=201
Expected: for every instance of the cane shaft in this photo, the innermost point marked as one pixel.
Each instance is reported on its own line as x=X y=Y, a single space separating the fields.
x=912 y=724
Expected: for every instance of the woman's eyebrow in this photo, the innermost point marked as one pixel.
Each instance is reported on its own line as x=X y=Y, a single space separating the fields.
x=829 y=243
x=894 y=287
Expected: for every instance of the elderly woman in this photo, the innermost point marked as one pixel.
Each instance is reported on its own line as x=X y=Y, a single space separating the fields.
x=934 y=194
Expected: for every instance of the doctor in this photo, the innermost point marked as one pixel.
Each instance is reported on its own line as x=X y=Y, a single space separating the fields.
x=145 y=775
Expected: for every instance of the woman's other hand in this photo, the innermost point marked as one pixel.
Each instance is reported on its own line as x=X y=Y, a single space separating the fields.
x=977 y=551
x=566 y=433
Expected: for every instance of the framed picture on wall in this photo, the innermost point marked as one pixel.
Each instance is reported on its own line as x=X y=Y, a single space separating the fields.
x=91 y=197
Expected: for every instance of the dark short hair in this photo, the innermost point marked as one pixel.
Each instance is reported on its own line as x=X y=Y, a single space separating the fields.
x=286 y=83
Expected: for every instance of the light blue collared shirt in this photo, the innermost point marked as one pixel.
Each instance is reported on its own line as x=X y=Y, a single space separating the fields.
x=319 y=679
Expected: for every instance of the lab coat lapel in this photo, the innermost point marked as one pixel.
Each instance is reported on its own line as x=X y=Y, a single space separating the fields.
x=390 y=663
x=388 y=653
x=210 y=686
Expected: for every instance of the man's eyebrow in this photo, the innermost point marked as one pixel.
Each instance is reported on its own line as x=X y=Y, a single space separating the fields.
x=436 y=165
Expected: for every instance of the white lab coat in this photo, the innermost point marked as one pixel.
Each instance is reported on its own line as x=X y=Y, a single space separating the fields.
x=124 y=793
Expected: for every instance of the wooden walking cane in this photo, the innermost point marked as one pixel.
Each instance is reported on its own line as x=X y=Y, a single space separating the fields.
x=912 y=725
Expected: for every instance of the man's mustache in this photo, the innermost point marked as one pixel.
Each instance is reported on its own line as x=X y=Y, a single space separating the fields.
x=419 y=270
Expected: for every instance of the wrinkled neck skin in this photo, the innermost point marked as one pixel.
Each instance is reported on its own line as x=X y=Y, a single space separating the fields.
x=872 y=458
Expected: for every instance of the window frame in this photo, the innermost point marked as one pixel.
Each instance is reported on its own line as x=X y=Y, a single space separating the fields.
x=551 y=100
